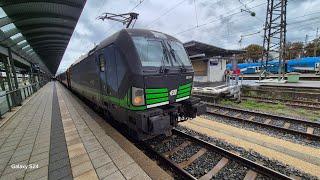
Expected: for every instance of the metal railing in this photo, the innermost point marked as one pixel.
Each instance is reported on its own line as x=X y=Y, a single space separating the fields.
x=10 y=99
x=234 y=84
x=234 y=80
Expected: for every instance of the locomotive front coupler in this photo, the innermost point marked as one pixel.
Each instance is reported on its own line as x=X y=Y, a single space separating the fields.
x=194 y=107
x=174 y=111
x=152 y=121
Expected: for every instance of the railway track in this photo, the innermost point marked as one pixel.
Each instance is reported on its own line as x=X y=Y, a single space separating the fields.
x=288 y=89
x=302 y=97
x=293 y=103
x=207 y=161
x=307 y=129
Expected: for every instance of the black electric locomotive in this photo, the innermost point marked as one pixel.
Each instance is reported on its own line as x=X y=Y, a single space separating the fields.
x=141 y=78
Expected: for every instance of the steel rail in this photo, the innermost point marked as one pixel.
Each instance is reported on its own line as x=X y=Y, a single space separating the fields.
x=311 y=123
x=288 y=88
x=167 y=162
x=232 y=156
x=301 y=104
x=260 y=169
x=306 y=135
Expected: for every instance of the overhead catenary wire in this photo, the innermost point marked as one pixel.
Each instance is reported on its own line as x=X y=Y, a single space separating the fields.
x=220 y=18
x=171 y=9
x=254 y=30
x=249 y=32
x=195 y=11
x=166 y=12
x=293 y=24
x=288 y=24
x=140 y=2
x=101 y=5
x=216 y=19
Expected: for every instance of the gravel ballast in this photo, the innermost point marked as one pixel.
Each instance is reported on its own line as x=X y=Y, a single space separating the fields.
x=316 y=131
x=254 y=156
x=278 y=122
x=185 y=154
x=259 y=119
x=203 y=164
x=245 y=116
x=168 y=146
x=262 y=129
x=271 y=113
x=232 y=170
x=231 y=113
x=298 y=127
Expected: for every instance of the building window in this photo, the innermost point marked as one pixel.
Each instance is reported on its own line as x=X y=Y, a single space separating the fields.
x=101 y=63
x=200 y=67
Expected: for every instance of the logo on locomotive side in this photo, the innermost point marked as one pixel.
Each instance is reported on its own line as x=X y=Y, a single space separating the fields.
x=173 y=92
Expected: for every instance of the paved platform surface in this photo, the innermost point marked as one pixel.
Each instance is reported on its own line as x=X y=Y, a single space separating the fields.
x=56 y=136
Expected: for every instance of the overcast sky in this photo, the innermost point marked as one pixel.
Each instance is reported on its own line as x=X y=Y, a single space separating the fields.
x=220 y=22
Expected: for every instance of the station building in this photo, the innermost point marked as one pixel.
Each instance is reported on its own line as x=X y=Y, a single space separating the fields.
x=209 y=62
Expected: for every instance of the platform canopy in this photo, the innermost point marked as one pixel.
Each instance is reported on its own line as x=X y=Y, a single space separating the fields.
x=199 y=49
x=39 y=29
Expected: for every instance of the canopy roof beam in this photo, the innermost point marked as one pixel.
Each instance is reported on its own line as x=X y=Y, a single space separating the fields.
x=65 y=2
x=46 y=27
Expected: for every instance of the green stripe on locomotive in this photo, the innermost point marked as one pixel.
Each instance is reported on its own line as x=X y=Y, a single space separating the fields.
x=153 y=96
x=159 y=90
x=184 y=91
x=185 y=86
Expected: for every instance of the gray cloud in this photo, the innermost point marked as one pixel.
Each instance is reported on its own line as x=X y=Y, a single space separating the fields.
x=221 y=28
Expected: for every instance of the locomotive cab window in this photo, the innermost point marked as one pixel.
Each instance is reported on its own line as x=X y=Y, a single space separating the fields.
x=179 y=53
x=151 y=51
x=101 y=63
x=159 y=52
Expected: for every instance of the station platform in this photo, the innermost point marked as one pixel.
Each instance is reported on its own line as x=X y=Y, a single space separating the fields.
x=300 y=84
x=208 y=84
x=56 y=136
x=303 y=76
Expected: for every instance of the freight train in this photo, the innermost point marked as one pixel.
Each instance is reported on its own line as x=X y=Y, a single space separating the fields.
x=141 y=78
x=307 y=64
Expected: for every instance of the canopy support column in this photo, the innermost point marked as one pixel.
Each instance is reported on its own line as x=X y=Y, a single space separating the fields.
x=16 y=96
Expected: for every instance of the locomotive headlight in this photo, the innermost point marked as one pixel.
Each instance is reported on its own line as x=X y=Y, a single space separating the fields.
x=137 y=96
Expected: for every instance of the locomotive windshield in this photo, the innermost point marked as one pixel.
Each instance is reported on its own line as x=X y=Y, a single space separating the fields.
x=157 y=52
x=179 y=54
x=151 y=51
